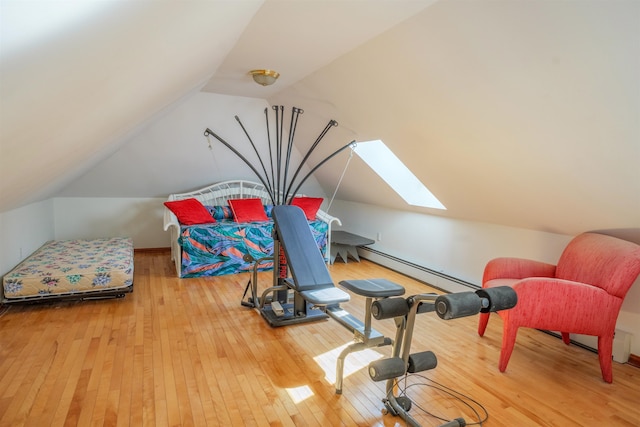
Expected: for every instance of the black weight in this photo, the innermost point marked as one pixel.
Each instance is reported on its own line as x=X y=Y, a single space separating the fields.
x=498 y=298
x=385 y=369
x=422 y=361
x=404 y=402
x=461 y=304
x=388 y=308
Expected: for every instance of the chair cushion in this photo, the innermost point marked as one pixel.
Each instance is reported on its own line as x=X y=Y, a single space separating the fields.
x=500 y=282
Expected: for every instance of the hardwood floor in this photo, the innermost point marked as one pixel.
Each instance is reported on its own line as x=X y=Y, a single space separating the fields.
x=186 y=353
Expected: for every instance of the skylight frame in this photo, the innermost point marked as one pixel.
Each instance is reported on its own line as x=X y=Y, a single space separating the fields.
x=395 y=173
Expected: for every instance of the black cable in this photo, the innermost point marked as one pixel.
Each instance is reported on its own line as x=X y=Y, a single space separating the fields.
x=462 y=398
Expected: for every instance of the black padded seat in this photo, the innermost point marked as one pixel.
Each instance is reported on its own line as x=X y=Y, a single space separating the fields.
x=373 y=288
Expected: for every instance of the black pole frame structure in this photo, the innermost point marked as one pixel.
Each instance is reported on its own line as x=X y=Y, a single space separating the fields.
x=277 y=183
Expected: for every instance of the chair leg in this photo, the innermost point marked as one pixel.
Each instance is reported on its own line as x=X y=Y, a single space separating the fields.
x=509 y=334
x=482 y=323
x=605 y=354
x=566 y=338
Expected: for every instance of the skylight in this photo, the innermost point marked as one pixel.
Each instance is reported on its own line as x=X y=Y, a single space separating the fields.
x=391 y=169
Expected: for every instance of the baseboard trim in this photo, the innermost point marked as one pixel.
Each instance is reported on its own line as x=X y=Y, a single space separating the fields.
x=572 y=341
x=634 y=360
x=436 y=279
x=151 y=250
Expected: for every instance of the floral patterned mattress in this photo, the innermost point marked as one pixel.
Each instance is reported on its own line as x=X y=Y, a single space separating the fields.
x=69 y=267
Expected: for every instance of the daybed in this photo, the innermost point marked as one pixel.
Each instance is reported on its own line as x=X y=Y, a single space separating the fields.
x=72 y=269
x=223 y=245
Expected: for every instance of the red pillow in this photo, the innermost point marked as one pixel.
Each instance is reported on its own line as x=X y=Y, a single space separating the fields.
x=248 y=210
x=309 y=205
x=190 y=211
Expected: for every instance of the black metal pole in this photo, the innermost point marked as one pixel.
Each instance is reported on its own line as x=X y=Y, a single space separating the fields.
x=278 y=153
x=320 y=164
x=266 y=175
x=281 y=124
x=208 y=132
x=266 y=116
x=329 y=125
x=295 y=112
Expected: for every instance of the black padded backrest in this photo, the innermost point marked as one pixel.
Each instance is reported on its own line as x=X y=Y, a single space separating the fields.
x=307 y=265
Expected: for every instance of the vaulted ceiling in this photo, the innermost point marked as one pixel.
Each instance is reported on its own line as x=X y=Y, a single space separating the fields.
x=521 y=113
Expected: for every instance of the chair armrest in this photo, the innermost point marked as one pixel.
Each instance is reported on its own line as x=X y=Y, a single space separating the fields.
x=323 y=216
x=565 y=305
x=170 y=220
x=516 y=268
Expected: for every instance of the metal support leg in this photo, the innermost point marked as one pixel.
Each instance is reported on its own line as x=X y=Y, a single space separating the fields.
x=253 y=300
x=356 y=346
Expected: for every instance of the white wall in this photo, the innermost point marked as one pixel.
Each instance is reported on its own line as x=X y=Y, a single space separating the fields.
x=453 y=247
x=171 y=154
x=92 y=217
x=462 y=248
x=24 y=230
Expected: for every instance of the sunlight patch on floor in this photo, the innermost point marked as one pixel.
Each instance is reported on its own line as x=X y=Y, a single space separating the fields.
x=353 y=363
x=298 y=394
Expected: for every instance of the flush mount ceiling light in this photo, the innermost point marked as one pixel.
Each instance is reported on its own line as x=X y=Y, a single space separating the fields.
x=264 y=77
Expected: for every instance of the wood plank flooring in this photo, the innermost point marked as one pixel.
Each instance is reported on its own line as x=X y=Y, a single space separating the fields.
x=186 y=353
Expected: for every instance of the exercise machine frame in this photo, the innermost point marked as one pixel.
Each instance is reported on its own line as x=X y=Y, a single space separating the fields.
x=404 y=312
x=303 y=291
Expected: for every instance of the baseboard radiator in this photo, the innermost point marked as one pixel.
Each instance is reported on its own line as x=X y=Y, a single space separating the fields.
x=433 y=278
x=447 y=283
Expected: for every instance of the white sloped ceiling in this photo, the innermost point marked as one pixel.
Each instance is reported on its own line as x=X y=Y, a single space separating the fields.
x=69 y=97
x=519 y=113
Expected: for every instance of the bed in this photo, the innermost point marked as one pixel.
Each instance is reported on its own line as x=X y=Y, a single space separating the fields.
x=72 y=269
x=226 y=246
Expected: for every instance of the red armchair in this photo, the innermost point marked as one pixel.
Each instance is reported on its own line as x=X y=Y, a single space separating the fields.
x=582 y=294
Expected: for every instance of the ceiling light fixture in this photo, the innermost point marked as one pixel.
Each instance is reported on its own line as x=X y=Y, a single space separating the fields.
x=264 y=77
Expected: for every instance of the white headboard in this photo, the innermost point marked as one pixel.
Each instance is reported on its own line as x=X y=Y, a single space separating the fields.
x=218 y=194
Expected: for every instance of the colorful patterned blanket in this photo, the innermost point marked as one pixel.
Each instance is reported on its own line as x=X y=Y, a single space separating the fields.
x=219 y=249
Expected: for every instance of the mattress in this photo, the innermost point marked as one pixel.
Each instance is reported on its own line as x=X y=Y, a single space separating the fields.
x=72 y=267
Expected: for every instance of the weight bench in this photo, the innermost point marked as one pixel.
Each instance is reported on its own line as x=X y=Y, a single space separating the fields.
x=312 y=286
x=315 y=296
